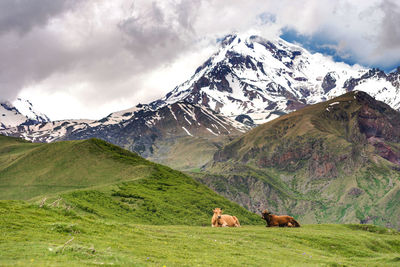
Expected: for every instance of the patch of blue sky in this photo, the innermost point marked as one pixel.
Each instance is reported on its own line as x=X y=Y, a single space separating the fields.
x=266 y=18
x=318 y=42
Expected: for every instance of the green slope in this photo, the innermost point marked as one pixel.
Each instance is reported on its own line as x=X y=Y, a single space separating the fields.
x=103 y=181
x=34 y=236
x=332 y=162
x=186 y=153
x=31 y=169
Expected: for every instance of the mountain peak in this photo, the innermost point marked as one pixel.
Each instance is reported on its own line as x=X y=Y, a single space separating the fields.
x=262 y=79
x=20 y=112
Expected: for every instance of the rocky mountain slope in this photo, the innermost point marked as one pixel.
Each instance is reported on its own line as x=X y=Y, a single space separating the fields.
x=20 y=112
x=182 y=135
x=336 y=161
x=253 y=77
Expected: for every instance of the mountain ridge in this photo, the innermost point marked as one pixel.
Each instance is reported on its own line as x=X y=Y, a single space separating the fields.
x=155 y=134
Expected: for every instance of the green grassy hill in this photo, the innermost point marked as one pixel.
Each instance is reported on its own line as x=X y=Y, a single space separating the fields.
x=31 y=169
x=53 y=236
x=332 y=162
x=101 y=180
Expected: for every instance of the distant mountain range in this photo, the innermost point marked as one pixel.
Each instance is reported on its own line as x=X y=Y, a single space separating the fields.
x=249 y=81
x=160 y=134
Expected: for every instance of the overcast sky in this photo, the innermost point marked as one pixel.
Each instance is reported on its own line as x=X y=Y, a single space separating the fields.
x=85 y=59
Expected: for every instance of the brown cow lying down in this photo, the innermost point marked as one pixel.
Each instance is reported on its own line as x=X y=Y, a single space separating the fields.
x=219 y=220
x=281 y=221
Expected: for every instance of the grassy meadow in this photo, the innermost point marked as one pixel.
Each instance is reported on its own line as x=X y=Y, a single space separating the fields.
x=91 y=203
x=39 y=237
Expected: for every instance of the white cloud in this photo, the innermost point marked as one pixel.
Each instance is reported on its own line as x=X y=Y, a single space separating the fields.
x=87 y=59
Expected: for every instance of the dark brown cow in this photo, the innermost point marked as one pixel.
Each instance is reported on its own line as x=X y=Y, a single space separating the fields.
x=281 y=221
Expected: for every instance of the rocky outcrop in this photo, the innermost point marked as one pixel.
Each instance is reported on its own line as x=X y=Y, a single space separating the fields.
x=329 y=82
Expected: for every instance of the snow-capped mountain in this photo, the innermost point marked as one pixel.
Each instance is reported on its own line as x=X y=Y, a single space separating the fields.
x=20 y=112
x=248 y=81
x=260 y=79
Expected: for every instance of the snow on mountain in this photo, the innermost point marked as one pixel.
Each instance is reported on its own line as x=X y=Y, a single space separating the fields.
x=249 y=81
x=46 y=132
x=179 y=118
x=265 y=79
x=383 y=87
x=19 y=112
x=10 y=116
x=26 y=108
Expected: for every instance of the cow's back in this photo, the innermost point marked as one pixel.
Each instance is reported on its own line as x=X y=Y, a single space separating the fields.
x=230 y=221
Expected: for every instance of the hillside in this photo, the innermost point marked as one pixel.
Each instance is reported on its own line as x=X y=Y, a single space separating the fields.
x=92 y=203
x=100 y=180
x=53 y=236
x=31 y=169
x=336 y=161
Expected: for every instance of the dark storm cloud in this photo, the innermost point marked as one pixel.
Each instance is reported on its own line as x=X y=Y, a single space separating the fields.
x=23 y=15
x=92 y=45
x=155 y=34
x=27 y=57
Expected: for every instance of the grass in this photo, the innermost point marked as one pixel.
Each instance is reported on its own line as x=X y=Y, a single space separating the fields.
x=28 y=170
x=36 y=236
x=98 y=179
x=186 y=152
x=162 y=199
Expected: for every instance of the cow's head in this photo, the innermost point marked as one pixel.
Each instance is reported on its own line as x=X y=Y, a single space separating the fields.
x=218 y=212
x=265 y=213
